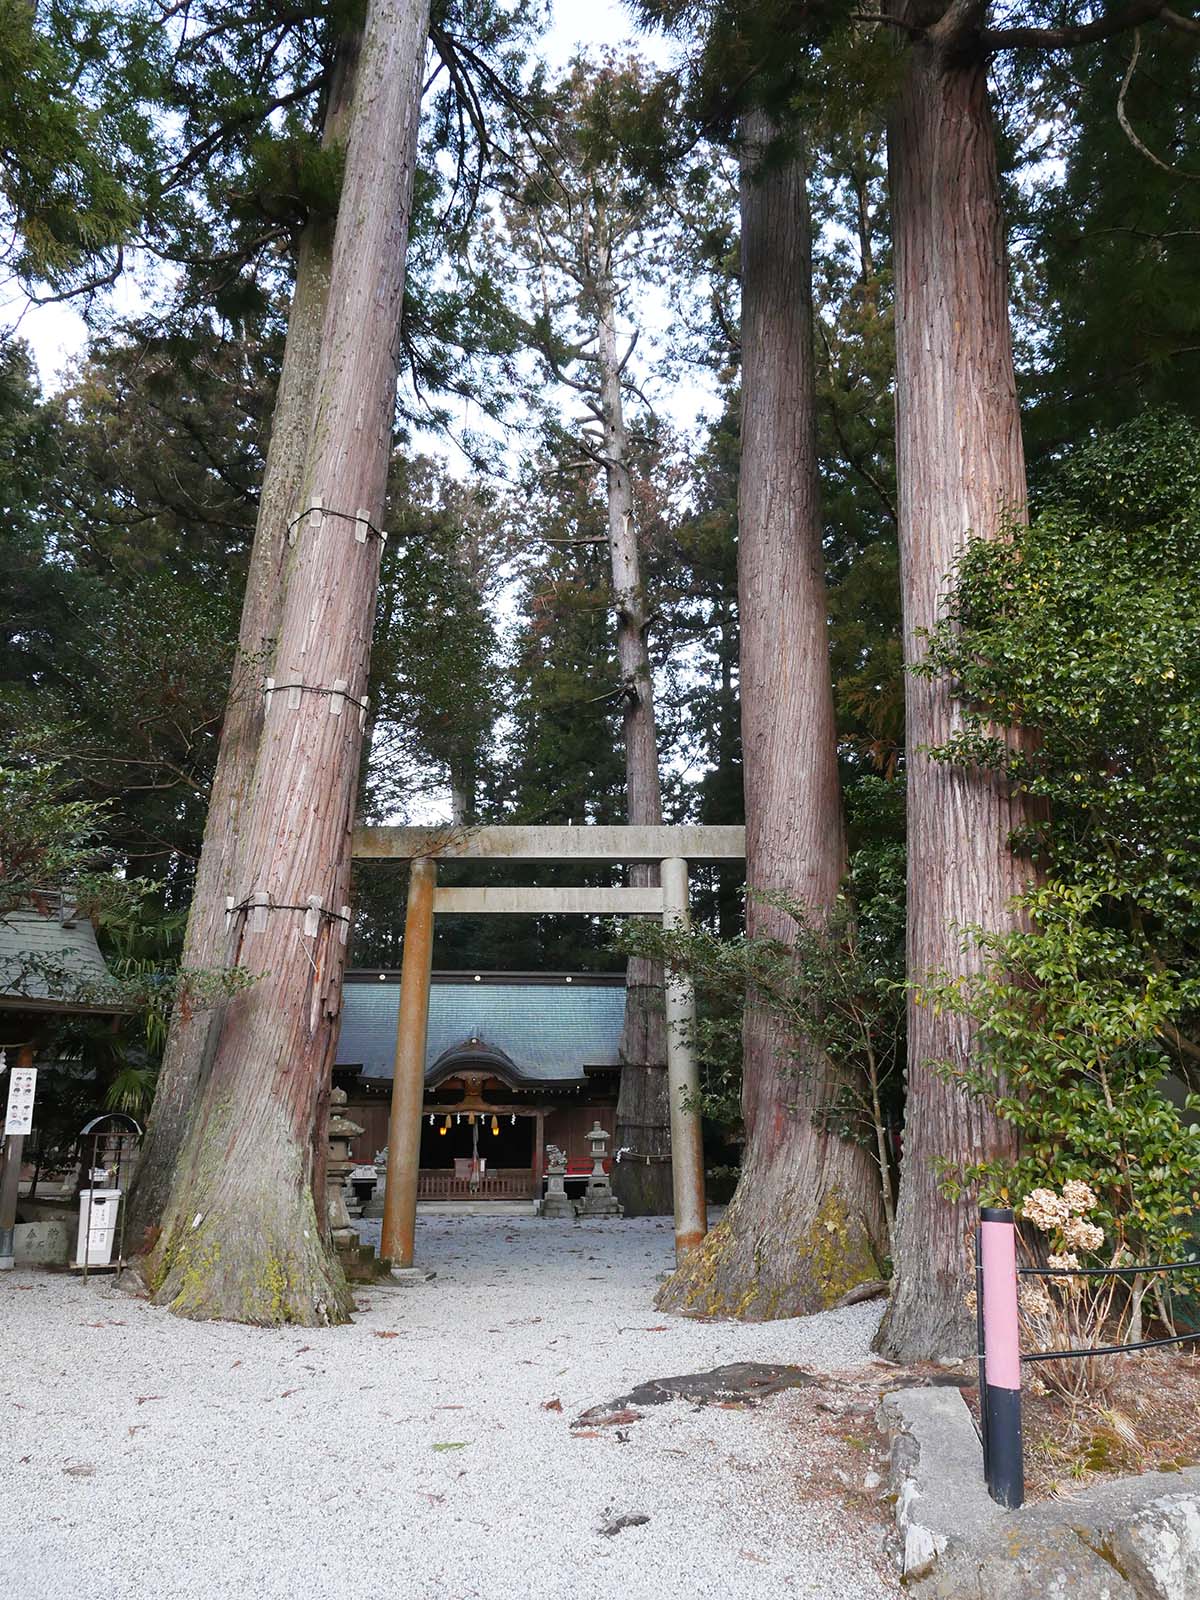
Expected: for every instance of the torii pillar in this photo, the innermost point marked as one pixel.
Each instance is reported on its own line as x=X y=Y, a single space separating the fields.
x=408 y=1083
x=683 y=1076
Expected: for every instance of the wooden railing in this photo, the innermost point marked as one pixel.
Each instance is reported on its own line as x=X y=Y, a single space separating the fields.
x=504 y=1183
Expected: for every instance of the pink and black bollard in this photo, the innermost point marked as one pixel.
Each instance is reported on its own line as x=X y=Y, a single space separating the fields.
x=1000 y=1352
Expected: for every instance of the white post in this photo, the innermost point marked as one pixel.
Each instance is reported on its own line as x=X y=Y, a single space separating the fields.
x=683 y=1077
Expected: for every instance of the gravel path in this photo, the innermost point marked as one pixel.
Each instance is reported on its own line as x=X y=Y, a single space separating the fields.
x=411 y=1454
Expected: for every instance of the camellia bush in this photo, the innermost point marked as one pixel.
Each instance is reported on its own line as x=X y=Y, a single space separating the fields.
x=1082 y=629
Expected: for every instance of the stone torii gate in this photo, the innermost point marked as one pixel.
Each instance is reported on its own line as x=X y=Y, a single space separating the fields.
x=669 y=848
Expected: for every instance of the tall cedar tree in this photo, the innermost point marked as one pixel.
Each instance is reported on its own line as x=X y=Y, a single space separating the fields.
x=585 y=226
x=250 y=1142
x=805 y=1223
x=193 y=1036
x=961 y=472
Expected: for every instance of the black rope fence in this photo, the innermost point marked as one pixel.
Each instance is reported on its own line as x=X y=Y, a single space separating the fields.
x=1001 y=1358
x=1108 y=1272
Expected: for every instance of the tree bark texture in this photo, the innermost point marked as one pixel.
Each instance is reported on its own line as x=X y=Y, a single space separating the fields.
x=243 y=1234
x=188 y=1051
x=961 y=473
x=804 y=1221
x=642 y=1180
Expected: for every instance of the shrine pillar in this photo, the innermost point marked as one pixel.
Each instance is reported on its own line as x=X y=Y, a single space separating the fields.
x=408 y=1078
x=683 y=1076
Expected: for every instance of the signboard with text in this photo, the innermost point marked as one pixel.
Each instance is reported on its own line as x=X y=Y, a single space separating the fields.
x=22 y=1084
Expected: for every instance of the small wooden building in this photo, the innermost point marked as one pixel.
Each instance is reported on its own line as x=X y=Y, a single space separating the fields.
x=50 y=968
x=515 y=1061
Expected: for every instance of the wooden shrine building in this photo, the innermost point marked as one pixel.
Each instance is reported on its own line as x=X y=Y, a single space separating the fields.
x=513 y=1062
x=669 y=850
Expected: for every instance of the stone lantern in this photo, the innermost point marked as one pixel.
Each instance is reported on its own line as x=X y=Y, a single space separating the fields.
x=599 y=1200
x=338 y=1165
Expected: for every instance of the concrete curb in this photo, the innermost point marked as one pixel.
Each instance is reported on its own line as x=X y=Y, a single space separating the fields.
x=936 y=1477
x=1129 y=1539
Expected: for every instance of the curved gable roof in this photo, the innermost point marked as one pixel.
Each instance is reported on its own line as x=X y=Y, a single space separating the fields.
x=531 y=1031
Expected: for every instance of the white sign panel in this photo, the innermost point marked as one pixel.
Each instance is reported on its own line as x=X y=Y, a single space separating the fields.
x=22 y=1082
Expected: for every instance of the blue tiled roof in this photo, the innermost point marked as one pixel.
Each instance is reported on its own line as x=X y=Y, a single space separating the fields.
x=44 y=958
x=549 y=1031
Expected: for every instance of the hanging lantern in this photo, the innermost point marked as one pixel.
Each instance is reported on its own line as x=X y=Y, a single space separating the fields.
x=442 y=1130
x=471 y=1118
x=495 y=1126
x=446 y=1124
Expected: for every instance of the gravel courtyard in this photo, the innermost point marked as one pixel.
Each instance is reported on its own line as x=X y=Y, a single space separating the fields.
x=414 y=1454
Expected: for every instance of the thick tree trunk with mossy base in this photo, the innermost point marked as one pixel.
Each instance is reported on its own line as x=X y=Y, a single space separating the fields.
x=804 y=1224
x=643 y=1125
x=188 y=1051
x=961 y=472
x=241 y=1235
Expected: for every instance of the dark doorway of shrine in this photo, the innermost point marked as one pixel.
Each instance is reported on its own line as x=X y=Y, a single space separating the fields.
x=501 y=1140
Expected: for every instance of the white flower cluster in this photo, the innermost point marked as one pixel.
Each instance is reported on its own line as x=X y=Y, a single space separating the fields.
x=1081 y=1235
x=1063 y=1214
x=1079 y=1196
x=1046 y=1210
x=1064 y=1263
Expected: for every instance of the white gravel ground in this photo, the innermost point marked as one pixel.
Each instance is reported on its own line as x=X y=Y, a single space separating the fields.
x=411 y=1454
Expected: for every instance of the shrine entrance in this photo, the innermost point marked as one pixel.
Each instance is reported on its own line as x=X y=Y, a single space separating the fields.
x=670 y=849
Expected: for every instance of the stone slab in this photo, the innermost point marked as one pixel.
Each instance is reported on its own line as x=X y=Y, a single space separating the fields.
x=46 y=1242
x=1127 y=1539
x=406 y=1277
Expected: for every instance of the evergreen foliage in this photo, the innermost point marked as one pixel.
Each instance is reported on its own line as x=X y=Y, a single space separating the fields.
x=1082 y=629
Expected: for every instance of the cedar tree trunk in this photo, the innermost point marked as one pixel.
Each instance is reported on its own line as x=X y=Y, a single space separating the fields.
x=243 y=1236
x=188 y=1051
x=643 y=1106
x=804 y=1222
x=961 y=472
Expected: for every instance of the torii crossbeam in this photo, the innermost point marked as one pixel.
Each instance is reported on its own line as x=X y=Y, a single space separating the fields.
x=671 y=848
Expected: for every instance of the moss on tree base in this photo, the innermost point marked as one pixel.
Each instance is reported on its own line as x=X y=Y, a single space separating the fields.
x=242 y=1241
x=756 y=1266
x=267 y=1277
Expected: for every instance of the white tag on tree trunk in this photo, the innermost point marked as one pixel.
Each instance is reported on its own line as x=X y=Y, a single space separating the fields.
x=268 y=691
x=337 y=697
x=345 y=934
x=312 y=917
x=362 y=526
x=294 y=689
x=230 y=903
x=362 y=713
x=259 y=901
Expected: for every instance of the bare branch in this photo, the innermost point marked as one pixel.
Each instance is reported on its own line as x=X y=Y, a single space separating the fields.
x=1133 y=16
x=1127 y=126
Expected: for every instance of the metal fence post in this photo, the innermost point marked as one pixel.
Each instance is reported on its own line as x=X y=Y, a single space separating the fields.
x=1000 y=1391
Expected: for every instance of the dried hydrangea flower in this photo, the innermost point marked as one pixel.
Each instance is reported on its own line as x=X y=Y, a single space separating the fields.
x=1081 y=1235
x=1066 y=1263
x=1079 y=1196
x=1045 y=1209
